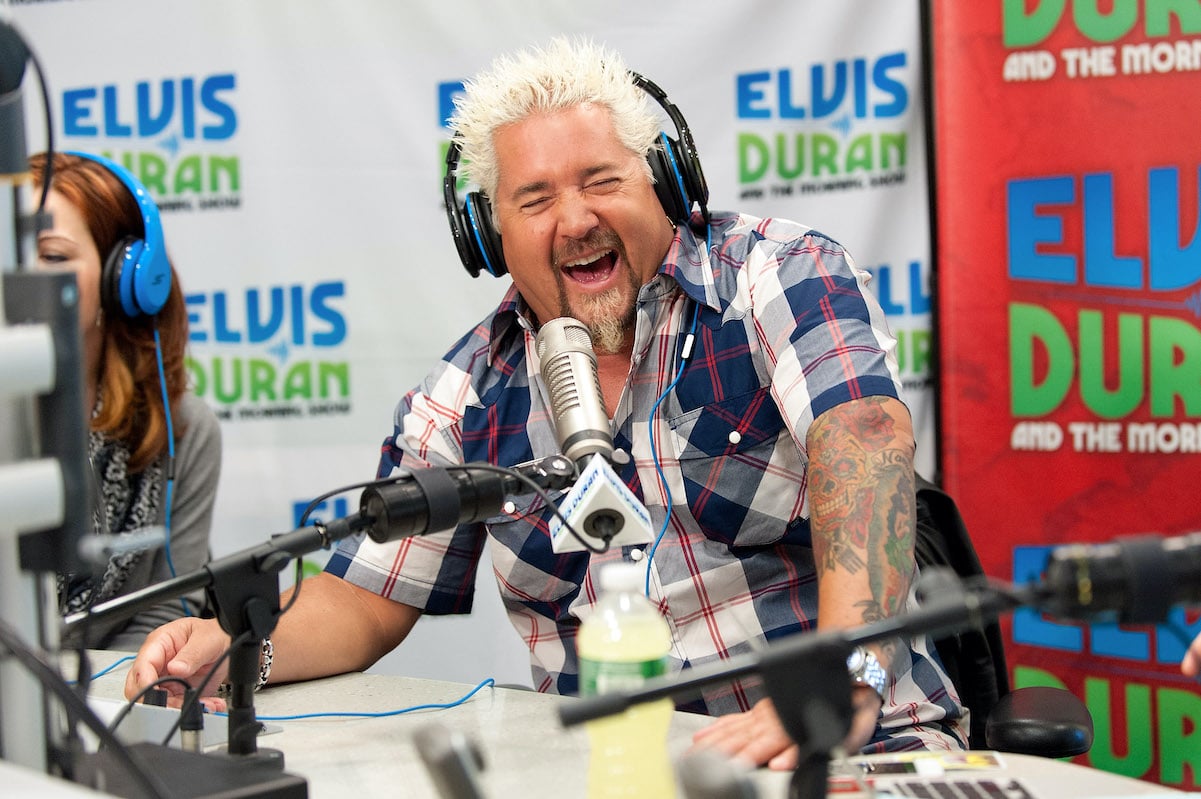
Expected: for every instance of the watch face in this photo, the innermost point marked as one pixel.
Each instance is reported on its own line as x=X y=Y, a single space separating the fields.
x=866 y=670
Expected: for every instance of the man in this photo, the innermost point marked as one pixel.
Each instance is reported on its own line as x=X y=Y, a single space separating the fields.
x=782 y=443
x=1190 y=666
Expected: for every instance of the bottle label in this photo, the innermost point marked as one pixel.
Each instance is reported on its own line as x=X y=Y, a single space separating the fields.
x=607 y=676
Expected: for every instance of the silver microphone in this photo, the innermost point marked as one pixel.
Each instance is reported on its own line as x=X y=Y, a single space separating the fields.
x=577 y=406
x=599 y=504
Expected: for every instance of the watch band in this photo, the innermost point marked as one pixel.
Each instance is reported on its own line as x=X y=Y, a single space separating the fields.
x=865 y=669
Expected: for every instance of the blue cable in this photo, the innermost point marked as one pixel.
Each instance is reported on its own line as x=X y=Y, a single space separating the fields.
x=106 y=669
x=169 y=490
x=685 y=354
x=381 y=714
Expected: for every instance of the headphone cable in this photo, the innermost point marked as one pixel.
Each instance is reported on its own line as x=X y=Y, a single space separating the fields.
x=685 y=356
x=169 y=486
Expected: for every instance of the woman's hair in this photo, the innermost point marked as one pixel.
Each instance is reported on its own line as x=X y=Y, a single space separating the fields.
x=129 y=390
x=560 y=76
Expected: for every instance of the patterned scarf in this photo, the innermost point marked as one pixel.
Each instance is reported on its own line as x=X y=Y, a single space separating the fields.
x=126 y=503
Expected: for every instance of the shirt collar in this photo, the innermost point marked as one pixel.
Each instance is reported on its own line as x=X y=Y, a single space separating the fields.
x=688 y=262
x=511 y=317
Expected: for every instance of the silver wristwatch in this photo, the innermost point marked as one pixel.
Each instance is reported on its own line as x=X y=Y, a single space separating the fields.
x=866 y=670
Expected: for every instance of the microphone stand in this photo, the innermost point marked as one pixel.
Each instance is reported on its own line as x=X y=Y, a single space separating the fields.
x=244 y=589
x=806 y=675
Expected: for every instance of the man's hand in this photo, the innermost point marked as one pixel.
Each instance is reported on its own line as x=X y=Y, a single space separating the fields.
x=186 y=648
x=1191 y=665
x=758 y=737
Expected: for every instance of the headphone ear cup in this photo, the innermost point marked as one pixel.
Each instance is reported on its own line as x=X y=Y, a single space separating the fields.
x=135 y=279
x=696 y=188
x=150 y=283
x=669 y=182
x=483 y=234
x=113 y=271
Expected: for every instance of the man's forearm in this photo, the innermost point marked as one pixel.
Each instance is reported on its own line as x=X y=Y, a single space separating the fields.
x=335 y=627
x=862 y=510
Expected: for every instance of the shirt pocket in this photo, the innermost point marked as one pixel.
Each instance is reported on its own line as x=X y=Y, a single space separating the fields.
x=531 y=574
x=740 y=490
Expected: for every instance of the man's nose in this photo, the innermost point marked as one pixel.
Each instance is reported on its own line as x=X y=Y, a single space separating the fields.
x=576 y=217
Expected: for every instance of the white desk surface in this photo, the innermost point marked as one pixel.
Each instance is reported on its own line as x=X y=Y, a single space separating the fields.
x=527 y=752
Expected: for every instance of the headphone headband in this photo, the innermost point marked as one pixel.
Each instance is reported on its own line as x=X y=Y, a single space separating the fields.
x=138 y=278
x=679 y=184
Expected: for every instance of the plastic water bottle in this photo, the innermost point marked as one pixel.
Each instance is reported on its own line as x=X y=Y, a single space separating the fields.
x=622 y=644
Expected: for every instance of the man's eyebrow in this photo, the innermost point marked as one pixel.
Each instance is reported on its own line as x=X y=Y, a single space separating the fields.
x=537 y=187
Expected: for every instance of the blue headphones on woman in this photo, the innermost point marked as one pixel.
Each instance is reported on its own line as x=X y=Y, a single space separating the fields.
x=135 y=278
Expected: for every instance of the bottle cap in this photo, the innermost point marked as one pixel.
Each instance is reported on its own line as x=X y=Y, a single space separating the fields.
x=622 y=576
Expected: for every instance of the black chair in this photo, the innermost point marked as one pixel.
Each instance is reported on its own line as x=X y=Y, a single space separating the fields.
x=1049 y=722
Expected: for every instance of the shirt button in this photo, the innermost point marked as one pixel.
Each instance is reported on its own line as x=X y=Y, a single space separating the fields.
x=735 y=436
x=509 y=508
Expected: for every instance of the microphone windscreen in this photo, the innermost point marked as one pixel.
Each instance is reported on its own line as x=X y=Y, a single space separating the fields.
x=568 y=367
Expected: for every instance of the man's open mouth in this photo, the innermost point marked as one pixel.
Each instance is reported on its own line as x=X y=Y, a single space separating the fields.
x=592 y=269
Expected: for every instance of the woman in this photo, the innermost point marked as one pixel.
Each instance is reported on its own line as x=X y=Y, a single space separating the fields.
x=154 y=447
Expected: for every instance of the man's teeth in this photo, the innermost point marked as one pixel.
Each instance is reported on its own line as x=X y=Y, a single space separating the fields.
x=584 y=262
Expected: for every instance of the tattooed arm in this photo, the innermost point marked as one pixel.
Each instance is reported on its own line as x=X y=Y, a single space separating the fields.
x=863 y=522
x=862 y=511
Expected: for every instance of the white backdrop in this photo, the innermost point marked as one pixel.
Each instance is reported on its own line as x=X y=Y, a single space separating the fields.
x=297 y=152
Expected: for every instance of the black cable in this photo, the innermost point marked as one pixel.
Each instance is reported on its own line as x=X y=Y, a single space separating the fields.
x=304 y=518
x=120 y=717
x=317 y=500
x=297 y=580
x=49 y=172
x=31 y=56
x=195 y=698
x=537 y=489
x=50 y=679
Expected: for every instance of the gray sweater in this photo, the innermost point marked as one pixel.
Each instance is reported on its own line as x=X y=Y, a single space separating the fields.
x=197 y=468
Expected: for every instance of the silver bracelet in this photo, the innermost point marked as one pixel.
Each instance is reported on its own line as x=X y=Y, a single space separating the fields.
x=266 y=658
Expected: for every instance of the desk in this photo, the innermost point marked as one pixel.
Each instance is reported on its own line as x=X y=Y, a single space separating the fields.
x=527 y=752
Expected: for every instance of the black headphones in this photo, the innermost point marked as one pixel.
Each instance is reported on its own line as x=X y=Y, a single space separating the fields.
x=135 y=278
x=679 y=183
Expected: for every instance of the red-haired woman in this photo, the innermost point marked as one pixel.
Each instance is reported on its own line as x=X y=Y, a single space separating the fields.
x=154 y=447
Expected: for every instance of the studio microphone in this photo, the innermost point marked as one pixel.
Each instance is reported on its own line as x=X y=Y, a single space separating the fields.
x=568 y=366
x=1138 y=577
x=442 y=498
x=599 y=505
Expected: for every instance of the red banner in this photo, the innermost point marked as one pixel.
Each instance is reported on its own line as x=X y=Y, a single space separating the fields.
x=1068 y=152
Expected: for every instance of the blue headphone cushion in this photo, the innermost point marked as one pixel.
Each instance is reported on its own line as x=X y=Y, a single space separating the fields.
x=136 y=280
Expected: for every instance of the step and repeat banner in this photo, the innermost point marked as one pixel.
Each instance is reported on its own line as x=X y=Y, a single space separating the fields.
x=1069 y=299
x=297 y=152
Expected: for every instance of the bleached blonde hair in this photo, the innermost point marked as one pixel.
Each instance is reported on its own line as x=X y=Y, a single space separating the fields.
x=564 y=74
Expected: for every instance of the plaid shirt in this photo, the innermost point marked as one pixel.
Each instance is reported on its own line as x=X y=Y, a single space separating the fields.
x=786 y=330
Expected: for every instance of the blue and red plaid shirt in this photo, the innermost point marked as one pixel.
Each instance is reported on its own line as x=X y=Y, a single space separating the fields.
x=786 y=330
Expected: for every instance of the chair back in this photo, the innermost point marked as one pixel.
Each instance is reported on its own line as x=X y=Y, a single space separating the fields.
x=973 y=659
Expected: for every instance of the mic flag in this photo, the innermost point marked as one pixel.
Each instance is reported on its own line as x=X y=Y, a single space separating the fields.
x=600 y=505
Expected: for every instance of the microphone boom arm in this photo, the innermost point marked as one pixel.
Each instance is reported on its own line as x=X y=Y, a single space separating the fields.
x=244 y=587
